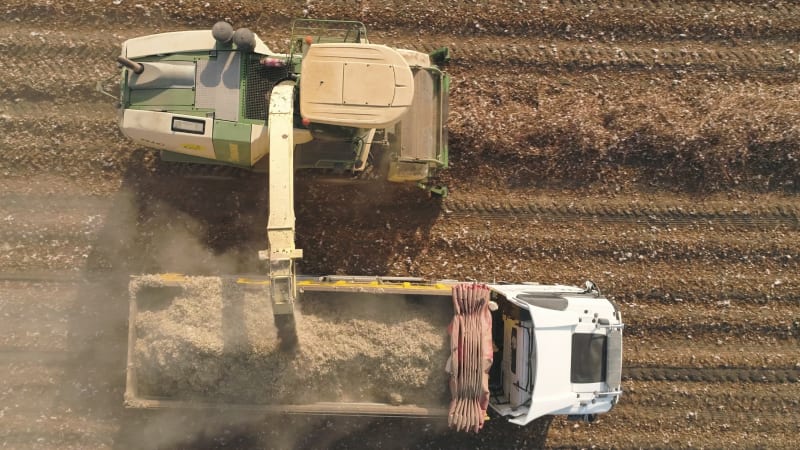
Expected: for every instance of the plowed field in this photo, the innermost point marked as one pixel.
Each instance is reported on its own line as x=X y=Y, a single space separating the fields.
x=652 y=147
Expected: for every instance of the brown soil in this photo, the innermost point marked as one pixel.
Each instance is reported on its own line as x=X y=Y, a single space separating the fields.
x=649 y=146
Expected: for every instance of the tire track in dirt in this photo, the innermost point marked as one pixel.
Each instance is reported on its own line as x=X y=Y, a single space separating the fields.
x=25 y=45
x=72 y=147
x=760 y=212
x=703 y=331
x=52 y=64
x=647 y=20
x=670 y=414
x=156 y=14
x=771 y=354
x=684 y=57
x=681 y=58
x=712 y=375
x=94 y=111
x=56 y=51
x=775 y=215
x=642 y=425
x=757 y=397
x=766 y=211
x=51 y=127
x=553 y=250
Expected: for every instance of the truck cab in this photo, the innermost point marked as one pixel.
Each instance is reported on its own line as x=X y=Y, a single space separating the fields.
x=558 y=351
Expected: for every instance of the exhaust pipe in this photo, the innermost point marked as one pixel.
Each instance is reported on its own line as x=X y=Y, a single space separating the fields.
x=133 y=65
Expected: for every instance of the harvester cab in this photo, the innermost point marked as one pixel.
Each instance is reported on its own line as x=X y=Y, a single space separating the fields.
x=337 y=103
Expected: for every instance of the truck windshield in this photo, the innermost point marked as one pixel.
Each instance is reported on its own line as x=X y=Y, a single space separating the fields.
x=588 y=358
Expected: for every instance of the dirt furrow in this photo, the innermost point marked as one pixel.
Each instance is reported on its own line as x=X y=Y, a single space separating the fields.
x=64 y=429
x=647 y=21
x=720 y=313
x=41 y=318
x=641 y=247
x=24 y=225
x=699 y=352
x=67 y=149
x=740 y=216
x=711 y=375
x=56 y=48
x=72 y=62
x=644 y=20
x=69 y=59
x=118 y=14
x=765 y=274
x=740 y=397
x=24 y=114
x=630 y=58
x=649 y=426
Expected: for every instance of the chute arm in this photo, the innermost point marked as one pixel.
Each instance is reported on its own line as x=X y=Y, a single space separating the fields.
x=280 y=227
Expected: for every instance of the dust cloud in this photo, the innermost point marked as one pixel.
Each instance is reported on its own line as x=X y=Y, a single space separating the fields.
x=215 y=341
